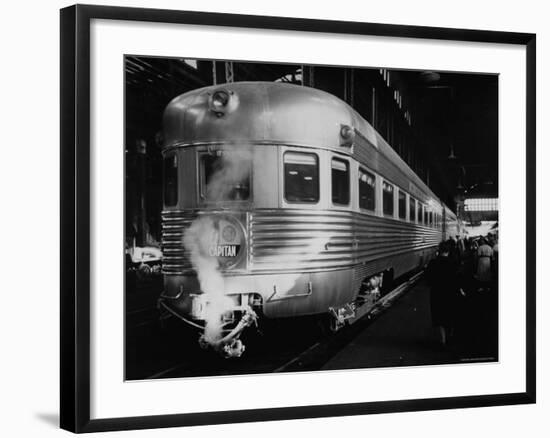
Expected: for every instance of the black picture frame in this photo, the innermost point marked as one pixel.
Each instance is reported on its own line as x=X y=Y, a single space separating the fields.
x=75 y=217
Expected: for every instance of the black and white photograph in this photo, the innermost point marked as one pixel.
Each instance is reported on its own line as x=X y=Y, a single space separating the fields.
x=286 y=217
x=267 y=219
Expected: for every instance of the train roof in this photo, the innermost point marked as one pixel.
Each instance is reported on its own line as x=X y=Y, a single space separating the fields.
x=258 y=112
x=271 y=112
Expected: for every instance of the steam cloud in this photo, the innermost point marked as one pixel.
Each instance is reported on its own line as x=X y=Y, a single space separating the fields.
x=231 y=175
x=226 y=183
x=197 y=240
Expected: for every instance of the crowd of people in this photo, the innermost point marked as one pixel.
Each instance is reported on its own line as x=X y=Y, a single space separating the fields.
x=463 y=288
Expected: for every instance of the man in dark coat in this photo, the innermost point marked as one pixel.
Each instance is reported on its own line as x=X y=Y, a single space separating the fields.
x=442 y=276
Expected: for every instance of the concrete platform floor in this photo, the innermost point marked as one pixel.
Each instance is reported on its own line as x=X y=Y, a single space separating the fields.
x=404 y=336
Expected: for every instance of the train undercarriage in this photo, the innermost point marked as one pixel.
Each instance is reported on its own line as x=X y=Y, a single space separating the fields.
x=247 y=313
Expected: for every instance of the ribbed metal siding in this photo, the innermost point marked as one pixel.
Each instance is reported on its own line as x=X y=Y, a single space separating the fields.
x=295 y=239
x=283 y=238
x=174 y=257
x=382 y=237
x=305 y=240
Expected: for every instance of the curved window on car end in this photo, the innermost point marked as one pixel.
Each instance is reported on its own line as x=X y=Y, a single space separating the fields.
x=367 y=191
x=387 y=198
x=170 y=180
x=225 y=176
x=340 y=181
x=301 y=177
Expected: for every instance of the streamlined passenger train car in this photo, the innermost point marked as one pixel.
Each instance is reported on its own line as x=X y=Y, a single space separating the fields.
x=281 y=201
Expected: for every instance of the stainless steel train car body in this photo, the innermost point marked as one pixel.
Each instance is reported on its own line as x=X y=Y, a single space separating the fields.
x=301 y=258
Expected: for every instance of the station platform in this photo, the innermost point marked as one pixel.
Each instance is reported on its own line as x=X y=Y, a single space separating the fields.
x=404 y=336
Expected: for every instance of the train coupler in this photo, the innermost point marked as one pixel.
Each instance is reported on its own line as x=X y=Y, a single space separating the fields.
x=340 y=316
x=230 y=345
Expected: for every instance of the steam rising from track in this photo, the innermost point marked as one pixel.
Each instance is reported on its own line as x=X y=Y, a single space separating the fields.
x=197 y=240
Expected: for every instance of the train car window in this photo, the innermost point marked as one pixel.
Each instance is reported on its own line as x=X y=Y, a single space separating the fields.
x=170 y=180
x=366 y=190
x=301 y=177
x=402 y=205
x=387 y=198
x=412 y=209
x=225 y=177
x=340 y=181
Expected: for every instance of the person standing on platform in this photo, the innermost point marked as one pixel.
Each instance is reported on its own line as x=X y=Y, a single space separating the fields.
x=453 y=250
x=443 y=279
x=484 y=269
x=495 y=259
x=461 y=246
